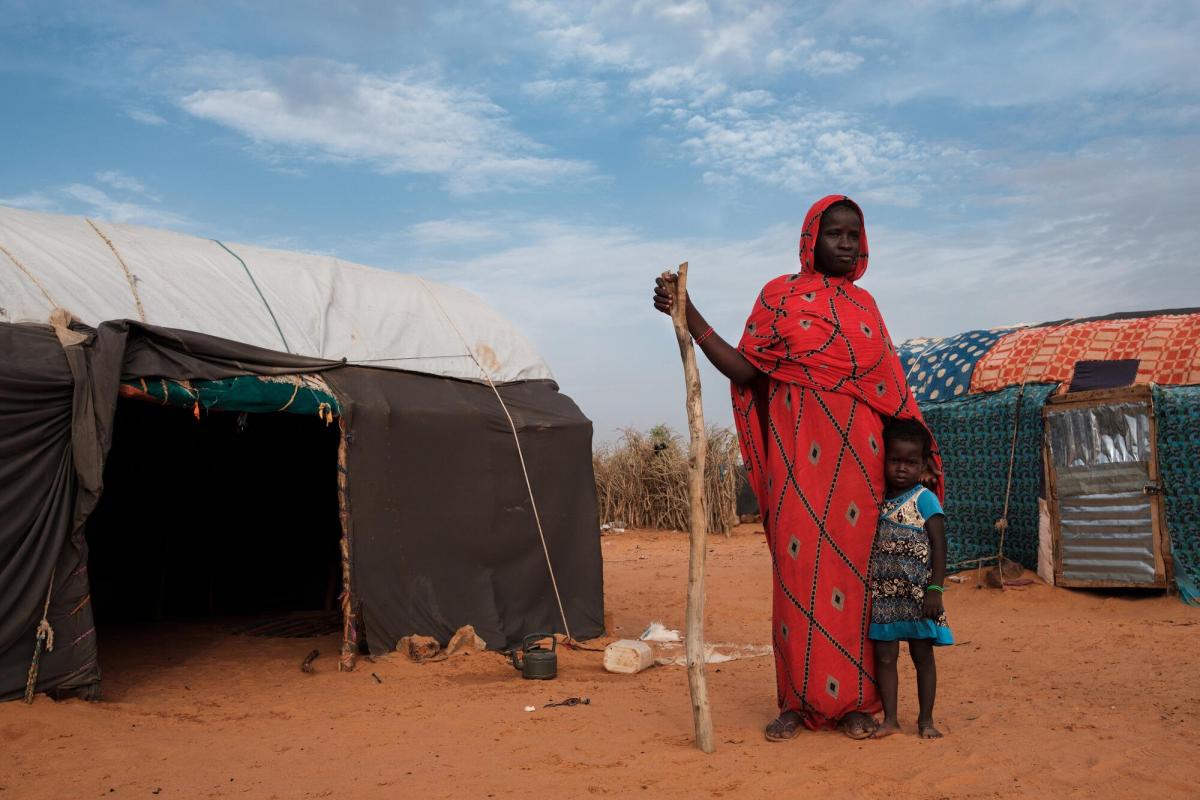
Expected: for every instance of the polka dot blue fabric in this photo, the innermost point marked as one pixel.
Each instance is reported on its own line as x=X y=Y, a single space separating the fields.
x=940 y=368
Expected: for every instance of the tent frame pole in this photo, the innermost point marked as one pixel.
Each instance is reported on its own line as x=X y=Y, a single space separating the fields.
x=349 y=655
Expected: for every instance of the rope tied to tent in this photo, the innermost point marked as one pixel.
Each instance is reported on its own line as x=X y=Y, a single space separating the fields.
x=1001 y=524
x=292 y=399
x=261 y=296
x=520 y=453
x=29 y=275
x=130 y=279
x=44 y=638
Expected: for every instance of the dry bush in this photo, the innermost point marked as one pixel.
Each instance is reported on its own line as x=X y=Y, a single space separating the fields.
x=642 y=481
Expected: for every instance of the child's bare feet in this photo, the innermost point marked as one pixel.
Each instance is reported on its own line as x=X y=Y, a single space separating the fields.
x=886 y=728
x=926 y=730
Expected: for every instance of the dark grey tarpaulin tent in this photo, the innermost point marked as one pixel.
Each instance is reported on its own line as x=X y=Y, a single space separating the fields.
x=428 y=498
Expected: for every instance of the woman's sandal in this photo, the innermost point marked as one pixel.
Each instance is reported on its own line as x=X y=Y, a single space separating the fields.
x=783 y=728
x=858 y=725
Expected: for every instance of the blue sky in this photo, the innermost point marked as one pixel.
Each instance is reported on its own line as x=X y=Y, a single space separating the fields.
x=1017 y=161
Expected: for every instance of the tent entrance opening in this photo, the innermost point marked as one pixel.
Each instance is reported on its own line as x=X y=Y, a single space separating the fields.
x=232 y=517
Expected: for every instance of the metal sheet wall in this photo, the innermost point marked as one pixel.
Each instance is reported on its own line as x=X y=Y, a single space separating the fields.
x=1101 y=456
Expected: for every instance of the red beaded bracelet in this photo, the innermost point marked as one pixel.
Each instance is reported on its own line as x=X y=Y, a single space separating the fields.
x=700 y=339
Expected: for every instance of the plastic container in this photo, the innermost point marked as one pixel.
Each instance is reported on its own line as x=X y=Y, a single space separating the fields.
x=628 y=656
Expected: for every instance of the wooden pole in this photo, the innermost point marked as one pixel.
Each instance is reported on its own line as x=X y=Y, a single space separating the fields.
x=701 y=713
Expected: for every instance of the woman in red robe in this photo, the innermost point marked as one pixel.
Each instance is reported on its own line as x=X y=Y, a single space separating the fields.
x=814 y=376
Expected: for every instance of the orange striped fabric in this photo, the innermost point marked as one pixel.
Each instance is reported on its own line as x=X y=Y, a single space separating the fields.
x=1166 y=346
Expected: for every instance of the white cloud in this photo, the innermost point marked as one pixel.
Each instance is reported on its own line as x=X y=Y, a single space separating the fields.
x=395 y=123
x=125 y=199
x=92 y=201
x=121 y=182
x=832 y=62
x=33 y=201
x=798 y=148
x=584 y=42
x=756 y=98
x=145 y=117
x=455 y=232
x=578 y=95
x=670 y=79
x=690 y=12
x=1020 y=53
x=689 y=51
x=543 y=12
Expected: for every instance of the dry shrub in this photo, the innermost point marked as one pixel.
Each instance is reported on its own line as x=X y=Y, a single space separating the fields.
x=642 y=481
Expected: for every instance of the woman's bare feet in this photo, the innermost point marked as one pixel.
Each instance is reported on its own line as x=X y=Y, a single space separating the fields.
x=926 y=730
x=783 y=728
x=886 y=728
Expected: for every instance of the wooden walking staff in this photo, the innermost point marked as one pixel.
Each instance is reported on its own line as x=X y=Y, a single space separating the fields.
x=701 y=714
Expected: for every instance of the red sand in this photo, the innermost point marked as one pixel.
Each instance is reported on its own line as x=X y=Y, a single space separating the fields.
x=1052 y=693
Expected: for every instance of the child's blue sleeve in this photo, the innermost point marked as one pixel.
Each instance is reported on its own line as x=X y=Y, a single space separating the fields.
x=928 y=505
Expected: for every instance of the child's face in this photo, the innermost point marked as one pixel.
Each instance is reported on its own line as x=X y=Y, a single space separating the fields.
x=903 y=464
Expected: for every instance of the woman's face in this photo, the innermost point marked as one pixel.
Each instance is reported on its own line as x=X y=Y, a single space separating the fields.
x=836 y=251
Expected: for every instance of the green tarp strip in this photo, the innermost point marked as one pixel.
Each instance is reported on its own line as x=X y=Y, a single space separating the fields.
x=244 y=393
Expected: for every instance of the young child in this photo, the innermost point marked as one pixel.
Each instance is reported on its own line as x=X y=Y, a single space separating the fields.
x=908 y=567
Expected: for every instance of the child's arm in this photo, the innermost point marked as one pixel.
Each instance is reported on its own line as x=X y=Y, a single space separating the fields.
x=936 y=528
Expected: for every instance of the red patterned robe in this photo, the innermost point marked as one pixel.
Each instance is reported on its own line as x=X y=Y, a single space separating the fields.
x=811 y=436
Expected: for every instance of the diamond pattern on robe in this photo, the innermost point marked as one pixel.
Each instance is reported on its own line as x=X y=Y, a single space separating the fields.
x=832 y=685
x=794 y=547
x=814 y=453
x=852 y=513
x=838 y=599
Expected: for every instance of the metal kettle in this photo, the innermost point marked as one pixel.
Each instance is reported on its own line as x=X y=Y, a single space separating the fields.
x=537 y=663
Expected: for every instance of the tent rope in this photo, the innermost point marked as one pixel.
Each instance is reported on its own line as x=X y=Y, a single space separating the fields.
x=520 y=453
x=1002 y=523
x=128 y=275
x=45 y=636
x=292 y=399
x=261 y=296
x=29 y=275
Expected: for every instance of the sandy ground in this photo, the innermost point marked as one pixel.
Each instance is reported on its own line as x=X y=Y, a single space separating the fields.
x=1051 y=693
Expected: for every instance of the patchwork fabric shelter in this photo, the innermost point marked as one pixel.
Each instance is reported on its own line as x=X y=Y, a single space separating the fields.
x=406 y=419
x=1080 y=435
